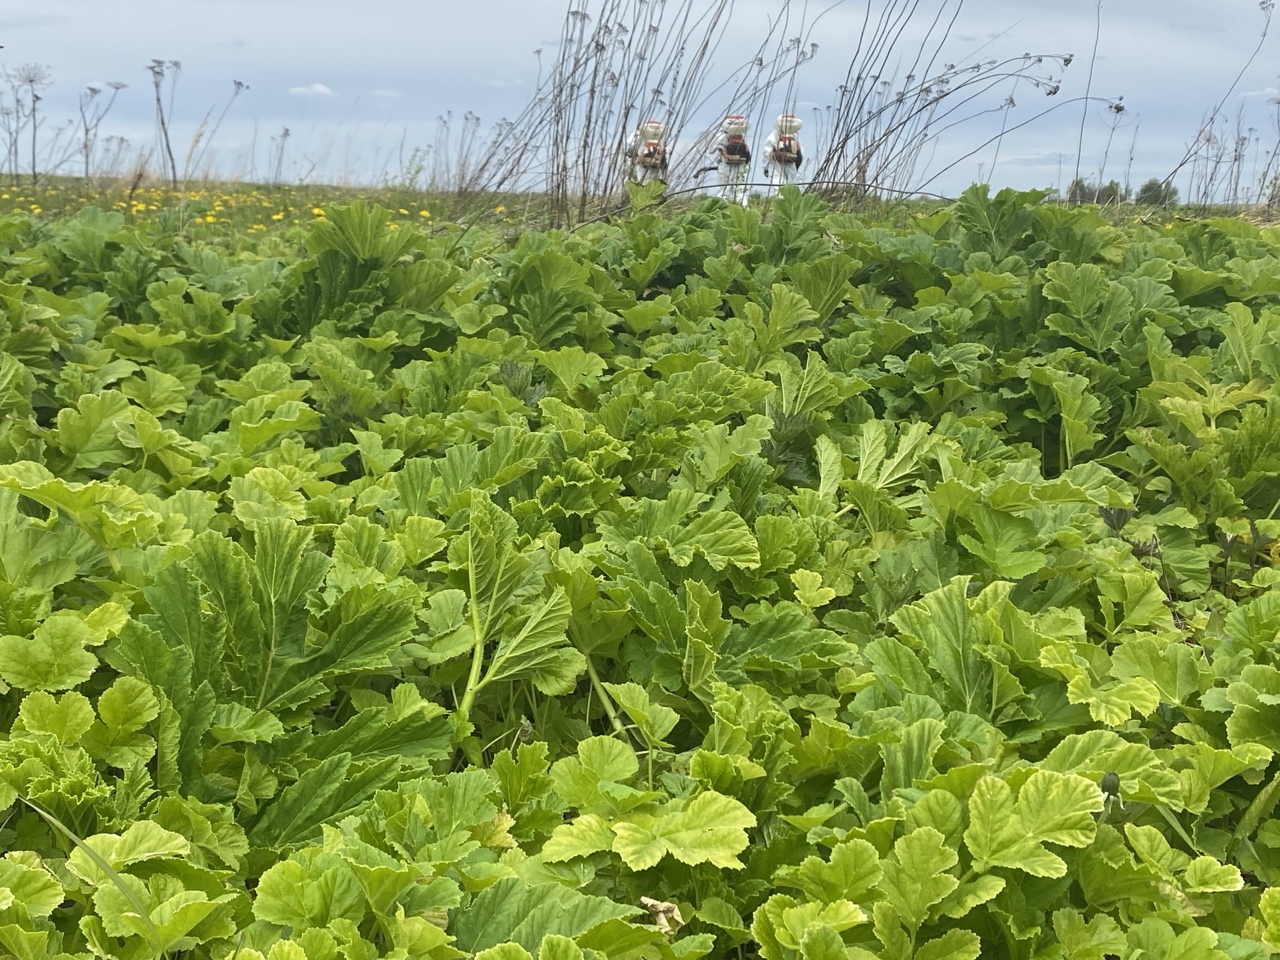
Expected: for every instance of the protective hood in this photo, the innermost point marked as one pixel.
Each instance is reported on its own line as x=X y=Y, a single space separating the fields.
x=788 y=124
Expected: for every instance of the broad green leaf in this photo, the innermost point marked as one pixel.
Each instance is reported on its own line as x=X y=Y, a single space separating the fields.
x=557 y=947
x=236 y=723
x=1005 y=543
x=853 y=871
x=602 y=766
x=572 y=366
x=722 y=538
x=830 y=467
x=824 y=283
x=88 y=434
x=376 y=456
x=916 y=876
x=113 y=515
x=1091 y=940
x=1143 y=775
x=512 y=911
x=418 y=936
x=710 y=828
x=654 y=720
x=128 y=705
x=124 y=708
x=31 y=884
x=54 y=658
x=174 y=921
x=952 y=945
x=309 y=893
x=1093 y=308
x=537 y=650
x=953 y=630
x=141 y=842
x=809 y=589
x=581 y=837
x=719 y=913
x=1173 y=667
x=961 y=901
x=1269 y=908
x=1114 y=703
x=325 y=793
x=67 y=717
x=782 y=927
x=1207 y=875
x=505 y=951
x=1050 y=808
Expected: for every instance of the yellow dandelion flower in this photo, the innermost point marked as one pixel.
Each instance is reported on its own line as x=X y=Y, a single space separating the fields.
x=210 y=218
x=424 y=213
x=278 y=215
x=500 y=208
x=318 y=211
x=4 y=196
x=403 y=210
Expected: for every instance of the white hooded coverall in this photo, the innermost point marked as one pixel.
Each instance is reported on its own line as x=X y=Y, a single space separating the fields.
x=733 y=159
x=782 y=153
x=647 y=153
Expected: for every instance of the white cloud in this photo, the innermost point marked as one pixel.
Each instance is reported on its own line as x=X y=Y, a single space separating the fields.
x=312 y=90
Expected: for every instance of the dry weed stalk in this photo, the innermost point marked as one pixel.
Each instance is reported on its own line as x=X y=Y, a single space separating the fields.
x=1207 y=153
x=92 y=112
x=887 y=122
x=619 y=62
x=160 y=70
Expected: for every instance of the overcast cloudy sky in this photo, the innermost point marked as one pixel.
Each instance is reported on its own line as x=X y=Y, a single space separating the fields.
x=354 y=81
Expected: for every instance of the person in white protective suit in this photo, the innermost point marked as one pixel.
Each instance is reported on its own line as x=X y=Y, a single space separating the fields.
x=647 y=153
x=733 y=158
x=782 y=150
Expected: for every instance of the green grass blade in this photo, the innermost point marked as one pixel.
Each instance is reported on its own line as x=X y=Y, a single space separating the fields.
x=105 y=867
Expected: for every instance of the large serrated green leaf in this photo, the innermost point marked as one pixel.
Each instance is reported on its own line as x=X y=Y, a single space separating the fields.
x=513 y=911
x=1050 y=808
x=711 y=828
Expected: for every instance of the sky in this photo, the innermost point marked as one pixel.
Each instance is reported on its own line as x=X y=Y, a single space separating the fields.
x=360 y=85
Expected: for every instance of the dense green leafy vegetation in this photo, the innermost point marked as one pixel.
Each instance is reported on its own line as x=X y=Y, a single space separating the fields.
x=714 y=584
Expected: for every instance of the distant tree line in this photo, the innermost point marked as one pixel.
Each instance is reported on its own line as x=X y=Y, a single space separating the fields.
x=1154 y=193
